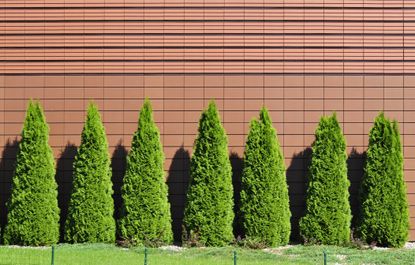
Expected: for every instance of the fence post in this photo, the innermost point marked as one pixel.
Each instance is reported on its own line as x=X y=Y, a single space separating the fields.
x=53 y=255
x=325 y=257
x=145 y=256
x=234 y=257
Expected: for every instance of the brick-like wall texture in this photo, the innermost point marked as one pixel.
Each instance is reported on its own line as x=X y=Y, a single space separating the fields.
x=300 y=58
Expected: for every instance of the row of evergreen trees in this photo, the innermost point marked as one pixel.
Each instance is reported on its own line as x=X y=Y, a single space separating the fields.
x=383 y=218
x=33 y=217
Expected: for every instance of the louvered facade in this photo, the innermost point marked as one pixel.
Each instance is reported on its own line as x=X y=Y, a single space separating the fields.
x=300 y=58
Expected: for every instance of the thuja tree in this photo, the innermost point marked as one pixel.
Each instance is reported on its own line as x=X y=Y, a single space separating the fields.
x=384 y=207
x=146 y=210
x=328 y=215
x=265 y=207
x=33 y=217
x=90 y=210
x=209 y=210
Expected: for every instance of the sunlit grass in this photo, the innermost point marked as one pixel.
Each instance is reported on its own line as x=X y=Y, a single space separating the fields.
x=103 y=254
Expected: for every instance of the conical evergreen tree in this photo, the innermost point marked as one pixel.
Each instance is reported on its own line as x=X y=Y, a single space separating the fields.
x=384 y=206
x=146 y=210
x=328 y=214
x=33 y=217
x=209 y=210
x=265 y=206
x=91 y=207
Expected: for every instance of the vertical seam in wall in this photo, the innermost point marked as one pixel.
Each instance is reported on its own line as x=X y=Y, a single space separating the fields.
x=3 y=91
x=44 y=61
x=83 y=40
x=283 y=77
x=123 y=142
x=244 y=67
x=343 y=112
x=24 y=52
x=304 y=78
x=403 y=78
x=383 y=55
x=223 y=58
x=3 y=85
x=144 y=52
x=143 y=79
x=103 y=56
x=163 y=76
x=184 y=168
x=184 y=88
x=364 y=78
x=221 y=75
x=304 y=90
x=263 y=54
x=204 y=55
x=64 y=77
x=324 y=57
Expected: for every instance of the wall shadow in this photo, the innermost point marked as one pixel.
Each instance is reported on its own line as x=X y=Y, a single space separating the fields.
x=355 y=165
x=178 y=183
x=64 y=178
x=118 y=166
x=237 y=167
x=297 y=180
x=7 y=164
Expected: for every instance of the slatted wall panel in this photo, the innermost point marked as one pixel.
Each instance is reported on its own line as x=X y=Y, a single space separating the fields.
x=300 y=58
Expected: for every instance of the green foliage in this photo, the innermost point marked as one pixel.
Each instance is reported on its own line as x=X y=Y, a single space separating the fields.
x=209 y=210
x=91 y=207
x=146 y=210
x=33 y=217
x=265 y=206
x=384 y=206
x=328 y=215
x=99 y=254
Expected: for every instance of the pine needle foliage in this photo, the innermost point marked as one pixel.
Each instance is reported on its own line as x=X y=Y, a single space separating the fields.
x=384 y=207
x=328 y=214
x=265 y=206
x=91 y=207
x=209 y=210
x=33 y=217
x=146 y=210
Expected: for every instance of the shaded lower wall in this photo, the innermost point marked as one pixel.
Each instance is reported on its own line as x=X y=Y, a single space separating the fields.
x=178 y=180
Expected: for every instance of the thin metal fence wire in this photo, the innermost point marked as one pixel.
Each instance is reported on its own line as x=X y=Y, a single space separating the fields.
x=64 y=255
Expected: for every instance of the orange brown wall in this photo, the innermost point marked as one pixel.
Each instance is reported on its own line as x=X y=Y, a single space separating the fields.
x=300 y=58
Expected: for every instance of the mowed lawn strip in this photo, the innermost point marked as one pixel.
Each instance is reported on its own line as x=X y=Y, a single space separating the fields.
x=102 y=254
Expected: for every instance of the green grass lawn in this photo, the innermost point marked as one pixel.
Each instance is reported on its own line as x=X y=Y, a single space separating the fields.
x=102 y=254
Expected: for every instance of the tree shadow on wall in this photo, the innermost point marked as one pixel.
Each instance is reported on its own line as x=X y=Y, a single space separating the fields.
x=237 y=166
x=118 y=165
x=7 y=164
x=64 y=178
x=178 y=183
x=297 y=181
x=355 y=165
